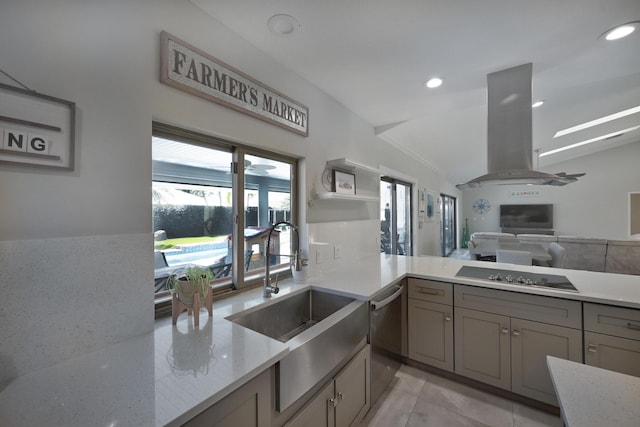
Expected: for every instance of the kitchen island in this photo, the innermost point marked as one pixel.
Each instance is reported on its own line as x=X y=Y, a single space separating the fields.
x=167 y=377
x=594 y=397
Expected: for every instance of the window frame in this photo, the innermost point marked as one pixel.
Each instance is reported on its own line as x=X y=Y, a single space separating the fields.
x=237 y=281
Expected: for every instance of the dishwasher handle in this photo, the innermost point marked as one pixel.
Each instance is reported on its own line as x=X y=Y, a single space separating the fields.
x=378 y=305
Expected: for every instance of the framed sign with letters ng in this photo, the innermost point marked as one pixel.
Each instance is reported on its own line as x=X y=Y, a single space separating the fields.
x=198 y=73
x=35 y=129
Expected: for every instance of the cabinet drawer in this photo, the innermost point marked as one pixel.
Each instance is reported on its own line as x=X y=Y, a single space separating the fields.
x=616 y=321
x=550 y=310
x=428 y=290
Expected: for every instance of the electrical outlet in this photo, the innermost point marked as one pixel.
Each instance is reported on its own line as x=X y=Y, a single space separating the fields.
x=337 y=252
x=323 y=252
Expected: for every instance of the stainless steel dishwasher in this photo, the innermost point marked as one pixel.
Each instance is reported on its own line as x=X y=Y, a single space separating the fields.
x=388 y=336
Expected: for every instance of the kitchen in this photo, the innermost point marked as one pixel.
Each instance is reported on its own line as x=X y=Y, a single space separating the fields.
x=86 y=233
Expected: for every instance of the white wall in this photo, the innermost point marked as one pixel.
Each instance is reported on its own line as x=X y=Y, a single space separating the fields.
x=597 y=205
x=104 y=56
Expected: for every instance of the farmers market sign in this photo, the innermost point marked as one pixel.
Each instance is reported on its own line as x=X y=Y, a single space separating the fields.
x=194 y=71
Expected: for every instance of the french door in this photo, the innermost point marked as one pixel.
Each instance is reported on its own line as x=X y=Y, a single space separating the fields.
x=395 y=217
x=447 y=224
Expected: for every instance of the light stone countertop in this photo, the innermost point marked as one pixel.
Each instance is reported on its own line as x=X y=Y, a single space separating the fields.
x=594 y=397
x=168 y=376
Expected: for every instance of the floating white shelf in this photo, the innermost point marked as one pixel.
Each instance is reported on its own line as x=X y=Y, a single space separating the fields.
x=353 y=167
x=350 y=165
x=340 y=196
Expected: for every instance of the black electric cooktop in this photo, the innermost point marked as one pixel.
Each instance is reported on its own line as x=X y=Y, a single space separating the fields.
x=523 y=278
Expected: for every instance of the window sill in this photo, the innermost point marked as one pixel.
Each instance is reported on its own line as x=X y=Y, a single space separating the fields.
x=221 y=290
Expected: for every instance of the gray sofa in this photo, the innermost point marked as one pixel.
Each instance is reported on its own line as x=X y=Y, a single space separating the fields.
x=585 y=253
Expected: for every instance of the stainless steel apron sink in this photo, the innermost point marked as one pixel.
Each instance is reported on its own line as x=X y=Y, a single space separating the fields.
x=321 y=328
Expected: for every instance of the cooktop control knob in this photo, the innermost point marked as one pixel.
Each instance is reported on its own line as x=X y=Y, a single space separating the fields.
x=509 y=278
x=520 y=279
x=528 y=282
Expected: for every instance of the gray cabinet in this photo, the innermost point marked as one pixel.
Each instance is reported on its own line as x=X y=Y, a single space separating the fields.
x=612 y=338
x=248 y=406
x=344 y=400
x=483 y=347
x=499 y=339
x=430 y=324
x=531 y=343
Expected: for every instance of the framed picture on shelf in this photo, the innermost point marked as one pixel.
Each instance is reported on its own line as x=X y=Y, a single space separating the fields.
x=343 y=182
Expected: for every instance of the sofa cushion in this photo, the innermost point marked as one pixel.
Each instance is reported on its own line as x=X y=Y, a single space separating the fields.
x=542 y=239
x=584 y=253
x=478 y=235
x=579 y=239
x=623 y=256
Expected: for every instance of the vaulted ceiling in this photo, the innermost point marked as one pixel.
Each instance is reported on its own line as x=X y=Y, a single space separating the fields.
x=374 y=56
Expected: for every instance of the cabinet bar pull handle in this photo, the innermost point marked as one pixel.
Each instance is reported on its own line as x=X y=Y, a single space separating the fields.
x=429 y=291
x=333 y=402
x=339 y=396
x=447 y=317
x=633 y=326
x=516 y=333
x=592 y=348
x=505 y=330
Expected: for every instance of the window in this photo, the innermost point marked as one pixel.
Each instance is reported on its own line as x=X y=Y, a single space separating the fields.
x=198 y=190
x=395 y=217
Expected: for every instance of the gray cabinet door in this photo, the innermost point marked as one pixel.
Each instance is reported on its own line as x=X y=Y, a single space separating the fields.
x=482 y=347
x=318 y=412
x=613 y=353
x=344 y=401
x=250 y=406
x=352 y=390
x=431 y=333
x=531 y=343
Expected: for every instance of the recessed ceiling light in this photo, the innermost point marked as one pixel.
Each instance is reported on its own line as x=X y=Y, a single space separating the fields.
x=537 y=104
x=433 y=82
x=283 y=25
x=620 y=31
x=589 y=141
x=599 y=121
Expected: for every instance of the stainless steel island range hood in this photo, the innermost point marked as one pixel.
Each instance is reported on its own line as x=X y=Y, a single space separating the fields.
x=509 y=135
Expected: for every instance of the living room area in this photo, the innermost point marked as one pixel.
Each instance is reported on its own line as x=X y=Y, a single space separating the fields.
x=595 y=221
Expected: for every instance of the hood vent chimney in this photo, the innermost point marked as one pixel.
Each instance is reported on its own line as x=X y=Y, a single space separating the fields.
x=509 y=133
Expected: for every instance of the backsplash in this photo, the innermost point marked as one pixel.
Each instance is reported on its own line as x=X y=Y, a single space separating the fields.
x=342 y=242
x=64 y=297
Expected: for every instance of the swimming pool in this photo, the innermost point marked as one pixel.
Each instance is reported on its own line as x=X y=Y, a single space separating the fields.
x=200 y=253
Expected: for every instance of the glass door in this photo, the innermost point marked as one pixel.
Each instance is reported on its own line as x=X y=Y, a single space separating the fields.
x=395 y=217
x=447 y=224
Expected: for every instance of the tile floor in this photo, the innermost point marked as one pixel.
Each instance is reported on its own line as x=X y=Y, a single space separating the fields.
x=418 y=398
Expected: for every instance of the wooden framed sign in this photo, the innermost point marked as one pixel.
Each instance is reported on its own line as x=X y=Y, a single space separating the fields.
x=198 y=73
x=36 y=130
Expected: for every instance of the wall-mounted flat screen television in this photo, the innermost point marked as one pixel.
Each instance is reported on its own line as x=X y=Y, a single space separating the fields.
x=526 y=216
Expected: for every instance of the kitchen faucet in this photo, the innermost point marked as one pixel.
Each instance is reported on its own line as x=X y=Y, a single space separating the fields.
x=268 y=289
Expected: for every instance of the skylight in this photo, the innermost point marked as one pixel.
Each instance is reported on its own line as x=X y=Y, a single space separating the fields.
x=589 y=141
x=599 y=121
